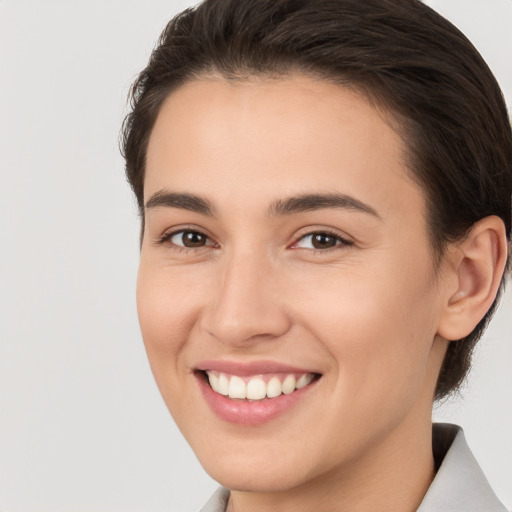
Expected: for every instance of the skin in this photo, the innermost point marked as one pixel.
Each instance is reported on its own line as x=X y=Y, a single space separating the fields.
x=370 y=314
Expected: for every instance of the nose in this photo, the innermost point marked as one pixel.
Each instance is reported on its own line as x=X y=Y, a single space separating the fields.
x=248 y=304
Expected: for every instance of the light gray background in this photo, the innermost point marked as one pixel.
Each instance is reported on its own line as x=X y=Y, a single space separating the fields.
x=82 y=426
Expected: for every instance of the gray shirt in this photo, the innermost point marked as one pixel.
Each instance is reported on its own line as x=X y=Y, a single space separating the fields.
x=459 y=484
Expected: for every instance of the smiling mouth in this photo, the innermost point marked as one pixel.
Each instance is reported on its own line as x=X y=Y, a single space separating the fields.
x=257 y=387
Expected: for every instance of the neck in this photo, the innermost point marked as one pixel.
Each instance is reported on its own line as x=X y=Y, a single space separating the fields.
x=393 y=476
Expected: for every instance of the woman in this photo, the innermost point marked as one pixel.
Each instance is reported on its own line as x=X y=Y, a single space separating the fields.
x=325 y=195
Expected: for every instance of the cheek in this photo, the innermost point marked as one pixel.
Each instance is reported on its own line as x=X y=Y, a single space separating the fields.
x=379 y=326
x=167 y=311
x=167 y=308
x=167 y=304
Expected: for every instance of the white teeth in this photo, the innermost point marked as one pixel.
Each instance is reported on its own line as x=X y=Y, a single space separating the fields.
x=274 y=387
x=304 y=380
x=214 y=381
x=223 y=385
x=289 y=385
x=255 y=388
x=237 y=388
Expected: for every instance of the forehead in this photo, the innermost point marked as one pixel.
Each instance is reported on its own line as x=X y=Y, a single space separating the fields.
x=262 y=137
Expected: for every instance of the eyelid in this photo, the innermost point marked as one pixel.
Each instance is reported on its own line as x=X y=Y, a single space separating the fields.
x=344 y=240
x=168 y=234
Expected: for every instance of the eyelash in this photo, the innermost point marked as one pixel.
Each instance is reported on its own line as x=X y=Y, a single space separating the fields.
x=340 y=241
x=166 y=238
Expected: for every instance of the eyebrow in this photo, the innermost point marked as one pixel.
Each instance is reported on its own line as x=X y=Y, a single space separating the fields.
x=312 y=202
x=182 y=201
x=281 y=207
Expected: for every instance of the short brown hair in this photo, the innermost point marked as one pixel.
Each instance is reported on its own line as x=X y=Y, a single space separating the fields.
x=403 y=55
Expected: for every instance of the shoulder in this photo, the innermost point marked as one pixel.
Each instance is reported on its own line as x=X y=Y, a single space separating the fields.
x=460 y=484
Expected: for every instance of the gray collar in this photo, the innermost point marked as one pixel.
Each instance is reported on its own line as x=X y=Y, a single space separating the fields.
x=459 y=485
x=218 y=502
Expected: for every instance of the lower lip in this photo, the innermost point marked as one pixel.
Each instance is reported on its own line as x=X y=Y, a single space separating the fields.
x=245 y=412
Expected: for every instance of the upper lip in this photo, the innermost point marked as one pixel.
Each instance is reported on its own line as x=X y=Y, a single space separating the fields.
x=245 y=369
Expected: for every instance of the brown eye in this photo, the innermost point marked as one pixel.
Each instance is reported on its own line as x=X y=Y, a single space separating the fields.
x=321 y=240
x=191 y=239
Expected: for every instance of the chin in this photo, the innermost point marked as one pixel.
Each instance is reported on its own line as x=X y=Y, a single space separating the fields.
x=246 y=477
x=261 y=469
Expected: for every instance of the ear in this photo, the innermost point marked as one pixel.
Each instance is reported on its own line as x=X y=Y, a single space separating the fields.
x=475 y=267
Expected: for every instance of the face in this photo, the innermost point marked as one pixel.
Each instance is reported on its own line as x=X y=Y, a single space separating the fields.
x=286 y=293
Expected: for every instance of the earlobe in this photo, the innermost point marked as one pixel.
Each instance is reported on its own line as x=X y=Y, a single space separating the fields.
x=477 y=265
